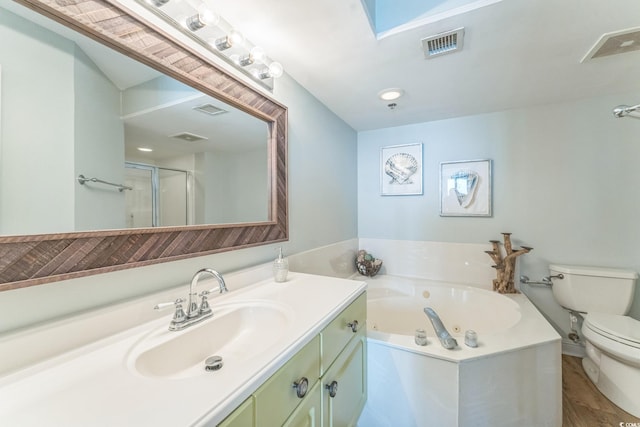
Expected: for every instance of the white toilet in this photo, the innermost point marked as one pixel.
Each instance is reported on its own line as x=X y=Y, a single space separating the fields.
x=604 y=296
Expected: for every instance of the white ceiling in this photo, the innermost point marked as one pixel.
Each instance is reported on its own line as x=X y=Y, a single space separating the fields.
x=517 y=53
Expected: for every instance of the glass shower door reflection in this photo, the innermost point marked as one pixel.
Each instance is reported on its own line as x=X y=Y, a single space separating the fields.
x=139 y=201
x=160 y=196
x=172 y=197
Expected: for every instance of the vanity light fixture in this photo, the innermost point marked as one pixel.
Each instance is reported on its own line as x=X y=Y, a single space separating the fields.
x=390 y=94
x=145 y=149
x=199 y=21
x=234 y=38
x=157 y=3
x=204 y=17
x=255 y=55
x=274 y=70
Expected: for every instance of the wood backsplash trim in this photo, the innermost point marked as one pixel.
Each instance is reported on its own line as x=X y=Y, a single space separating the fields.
x=39 y=259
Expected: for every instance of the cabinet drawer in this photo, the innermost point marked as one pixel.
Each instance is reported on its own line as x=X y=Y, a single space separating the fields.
x=277 y=398
x=339 y=332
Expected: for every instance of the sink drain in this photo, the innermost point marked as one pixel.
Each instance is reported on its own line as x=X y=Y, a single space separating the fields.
x=213 y=363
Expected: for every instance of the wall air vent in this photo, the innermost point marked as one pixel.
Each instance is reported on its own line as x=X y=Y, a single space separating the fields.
x=210 y=109
x=188 y=136
x=443 y=43
x=615 y=43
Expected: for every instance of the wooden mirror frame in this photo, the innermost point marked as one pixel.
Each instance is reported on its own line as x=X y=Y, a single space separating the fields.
x=38 y=259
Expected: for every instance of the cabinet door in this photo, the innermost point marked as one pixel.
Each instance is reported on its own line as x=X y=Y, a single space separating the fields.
x=309 y=413
x=349 y=373
x=277 y=398
x=241 y=417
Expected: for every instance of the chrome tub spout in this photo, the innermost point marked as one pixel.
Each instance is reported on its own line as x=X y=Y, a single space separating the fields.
x=444 y=336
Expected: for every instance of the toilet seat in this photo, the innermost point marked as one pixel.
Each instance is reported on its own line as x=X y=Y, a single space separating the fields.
x=622 y=329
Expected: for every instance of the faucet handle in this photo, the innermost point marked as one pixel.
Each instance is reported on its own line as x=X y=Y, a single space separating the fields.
x=179 y=316
x=205 y=308
x=164 y=305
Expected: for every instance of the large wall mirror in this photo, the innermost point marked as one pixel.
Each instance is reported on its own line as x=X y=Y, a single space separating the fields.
x=126 y=152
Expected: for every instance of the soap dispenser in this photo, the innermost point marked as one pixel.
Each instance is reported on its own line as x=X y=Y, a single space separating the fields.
x=280 y=268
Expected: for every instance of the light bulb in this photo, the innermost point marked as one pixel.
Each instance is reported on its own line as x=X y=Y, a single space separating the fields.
x=257 y=54
x=276 y=70
x=235 y=38
x=208 y=16
x=204 y=17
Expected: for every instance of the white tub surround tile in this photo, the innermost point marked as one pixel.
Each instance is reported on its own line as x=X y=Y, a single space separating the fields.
x=335 y=260
x=462 y=263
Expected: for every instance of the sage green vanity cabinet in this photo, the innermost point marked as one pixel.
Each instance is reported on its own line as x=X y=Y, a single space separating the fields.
x=309 y=413
x=278 y=397
x=323 y=384
x=242 y=416
x=342 y=329
x=344 y=385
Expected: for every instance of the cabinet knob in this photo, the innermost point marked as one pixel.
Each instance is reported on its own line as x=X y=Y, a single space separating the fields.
x=354 y=326
x=301 y=387
x=333 y=388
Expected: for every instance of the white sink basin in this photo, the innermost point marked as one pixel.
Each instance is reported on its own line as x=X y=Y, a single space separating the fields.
x=236 y=332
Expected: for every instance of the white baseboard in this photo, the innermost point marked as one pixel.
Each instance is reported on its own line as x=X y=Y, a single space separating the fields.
x=571 y=348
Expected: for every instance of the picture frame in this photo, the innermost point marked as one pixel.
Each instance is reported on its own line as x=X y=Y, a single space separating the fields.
x=465 y=188
x=401 y=170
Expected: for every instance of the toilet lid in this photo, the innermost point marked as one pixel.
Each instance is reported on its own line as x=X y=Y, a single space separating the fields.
x=624 y=329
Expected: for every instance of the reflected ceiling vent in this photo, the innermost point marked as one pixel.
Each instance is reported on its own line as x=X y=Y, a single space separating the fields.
x=443 y=43
x=210 y=109
x=188 y=136
x=615 y=43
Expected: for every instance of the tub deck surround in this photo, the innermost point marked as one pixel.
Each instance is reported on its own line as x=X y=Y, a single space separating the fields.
x=97 y=384
x=503 y=322
x=513 y=377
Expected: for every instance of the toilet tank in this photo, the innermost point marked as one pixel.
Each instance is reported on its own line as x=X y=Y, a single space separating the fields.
x=593 y=289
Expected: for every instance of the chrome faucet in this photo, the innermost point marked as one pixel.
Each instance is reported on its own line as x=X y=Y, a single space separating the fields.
x=195 y=313
x=192 y=306
x=444 y=336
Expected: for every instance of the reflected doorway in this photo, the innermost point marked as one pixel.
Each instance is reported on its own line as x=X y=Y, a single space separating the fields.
x=161 y=197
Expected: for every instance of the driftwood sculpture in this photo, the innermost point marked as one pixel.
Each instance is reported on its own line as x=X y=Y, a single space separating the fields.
x=505 y=265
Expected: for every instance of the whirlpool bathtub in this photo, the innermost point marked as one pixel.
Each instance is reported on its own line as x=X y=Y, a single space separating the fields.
x=513 y=376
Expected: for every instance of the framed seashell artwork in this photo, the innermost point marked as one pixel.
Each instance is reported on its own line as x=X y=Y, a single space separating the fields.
x=465 y=188
x=401 y=170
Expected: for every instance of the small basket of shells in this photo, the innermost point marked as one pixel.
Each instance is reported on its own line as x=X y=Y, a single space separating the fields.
x=367 y=264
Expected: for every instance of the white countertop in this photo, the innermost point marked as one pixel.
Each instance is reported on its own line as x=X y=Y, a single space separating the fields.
x=95 y=385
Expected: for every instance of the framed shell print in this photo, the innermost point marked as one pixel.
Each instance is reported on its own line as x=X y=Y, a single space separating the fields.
x=465 y=188
x=401 y=170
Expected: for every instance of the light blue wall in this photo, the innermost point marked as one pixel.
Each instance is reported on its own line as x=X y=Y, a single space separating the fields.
x=565 y=181
x=58 y=122
x=98 y=147
x=36 y=144
x=234 y=186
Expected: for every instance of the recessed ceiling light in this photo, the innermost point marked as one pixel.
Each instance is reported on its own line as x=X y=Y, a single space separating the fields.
x=145 y=149
x=390 y=94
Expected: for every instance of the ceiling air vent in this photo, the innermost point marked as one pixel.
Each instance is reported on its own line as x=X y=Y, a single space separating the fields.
x=188 y=136
x=615 y=43
x=443 y=43
x=210 y=109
